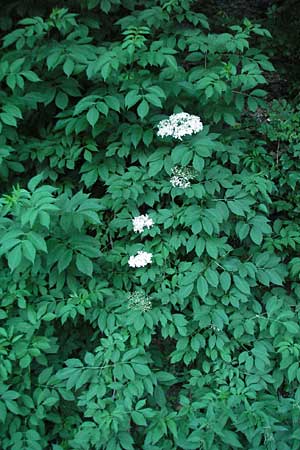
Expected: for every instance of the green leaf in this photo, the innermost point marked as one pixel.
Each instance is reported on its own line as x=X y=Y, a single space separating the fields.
x=179 y=320
x=259 y=92
x=34 y=182
x=252 y=104
x=31 y=76
x=84 y=264
x=29 y=251
x=275 y=277
x=141 y=369
x=38 y=241
x=143 y=109
x=8 y=119
x=155 y=167
x=292 y=371
x=207 y=226
x=10 y=395
x=92 y=116
x=25 y=361
x=241 y=284
x=3 y=412
x=242 y=230
x=212 y=277
x=212 y=248
x=49 y=316
x=148 y=137
x=292 y=327
x=125 y=438
x=229 y=437
x=225 y=281
x=112 y=102
x=68 y=66
x=256 y=235
x=229 y=119
x=202 y=287
x=102 y=107
x=105 y=5
x=185 y=291
x=296 y=434
x=198 y=163
x=154 y=100
x=131 y=354
x=171 y=60
x=157 y=91
x=240 y=102
x=131 y=99
x=136 y=136
x=235 y=207
x=200 y=246
x=178 y=153
x=138 y=418
x=61 y=100
x=65 y=260
x=11 y=81
x=166 y=378
x=13 y=110
x=12 y=407
x=14 y=257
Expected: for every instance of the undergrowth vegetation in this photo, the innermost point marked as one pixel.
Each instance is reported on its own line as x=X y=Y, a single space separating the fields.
x=149 y=283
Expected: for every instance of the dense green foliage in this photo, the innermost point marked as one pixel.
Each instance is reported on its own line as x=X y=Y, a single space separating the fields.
x=84 y=362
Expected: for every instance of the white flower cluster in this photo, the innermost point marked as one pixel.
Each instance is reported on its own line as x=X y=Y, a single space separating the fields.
x=181 y=177
x=179 y=125
x=140 y=222
x=141 y=259
x=139 y=301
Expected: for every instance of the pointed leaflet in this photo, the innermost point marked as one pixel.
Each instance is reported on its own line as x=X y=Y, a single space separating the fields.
x=92 y=116
x=84 y=264
x=14 y=257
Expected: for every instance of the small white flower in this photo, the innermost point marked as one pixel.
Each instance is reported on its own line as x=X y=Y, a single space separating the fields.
x=181 y=177
x=141 y=259
x=139 y=301
x=179 y=125
x=140 y=222
x=180 y=182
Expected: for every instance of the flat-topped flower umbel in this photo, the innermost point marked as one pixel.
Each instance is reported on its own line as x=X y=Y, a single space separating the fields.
x=181 y=177
x=179 y=125
x=141 y=259
x=139 y=301
x=141 y=222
